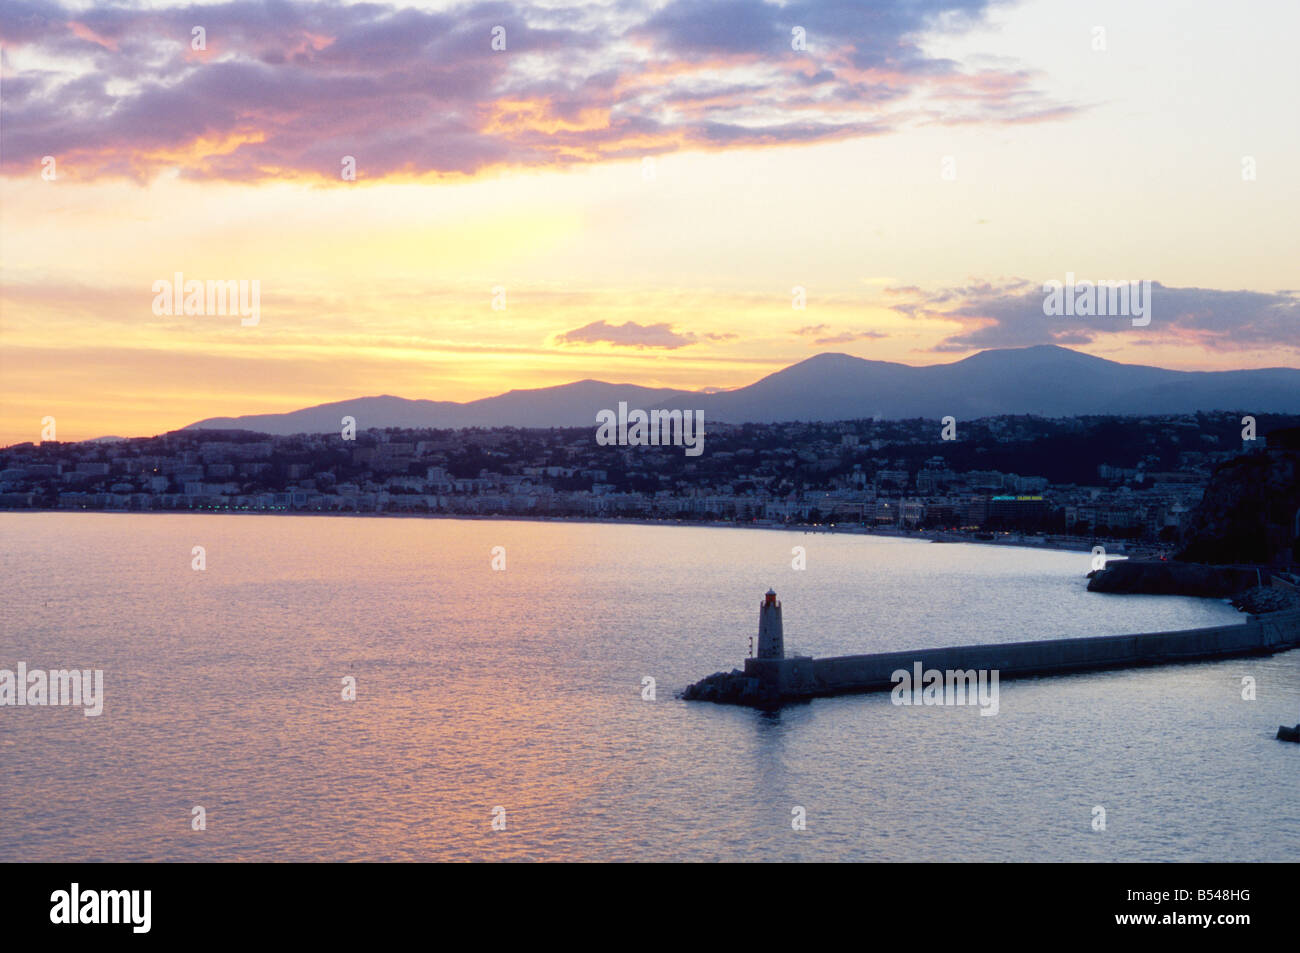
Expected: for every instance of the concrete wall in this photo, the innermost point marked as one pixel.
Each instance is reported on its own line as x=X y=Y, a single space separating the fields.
x=789 y=676
x=1274 y=632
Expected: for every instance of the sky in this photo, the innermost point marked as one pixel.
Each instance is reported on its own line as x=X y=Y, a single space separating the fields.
x=693 y=193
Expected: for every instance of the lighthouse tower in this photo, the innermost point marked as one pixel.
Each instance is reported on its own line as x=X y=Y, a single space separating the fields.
x=771 y=638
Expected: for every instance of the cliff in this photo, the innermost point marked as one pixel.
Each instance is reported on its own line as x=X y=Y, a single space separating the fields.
x=1250 y=508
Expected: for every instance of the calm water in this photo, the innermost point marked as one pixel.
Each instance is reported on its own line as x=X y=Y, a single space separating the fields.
x=522 y=689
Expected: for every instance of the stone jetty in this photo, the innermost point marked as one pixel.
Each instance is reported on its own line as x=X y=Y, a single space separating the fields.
x=771 y=679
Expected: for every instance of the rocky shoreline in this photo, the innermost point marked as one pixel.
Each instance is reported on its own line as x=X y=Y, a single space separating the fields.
x=1168 y=578
x=1251 y=589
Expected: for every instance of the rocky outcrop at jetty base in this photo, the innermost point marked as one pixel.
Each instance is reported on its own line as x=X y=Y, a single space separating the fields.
x=731 y=688
x=1166 y=578
x=1262 y=599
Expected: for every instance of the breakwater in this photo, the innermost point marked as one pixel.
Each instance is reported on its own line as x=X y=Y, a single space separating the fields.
x=775 y=680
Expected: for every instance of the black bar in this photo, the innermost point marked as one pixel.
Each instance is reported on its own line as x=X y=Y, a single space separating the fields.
x=943 y=901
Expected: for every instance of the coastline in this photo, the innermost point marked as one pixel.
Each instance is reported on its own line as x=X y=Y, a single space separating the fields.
x=1122 y=548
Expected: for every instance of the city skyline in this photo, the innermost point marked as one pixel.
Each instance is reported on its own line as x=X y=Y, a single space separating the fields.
x=1096 y=471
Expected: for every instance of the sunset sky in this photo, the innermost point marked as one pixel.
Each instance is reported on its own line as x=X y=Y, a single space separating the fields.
x=647 y=181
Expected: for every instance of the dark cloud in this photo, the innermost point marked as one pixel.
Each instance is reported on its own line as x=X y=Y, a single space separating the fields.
x=286 y=89
x=631 y=334
x=844 y=337
x=1011 y=314
x=820 y=333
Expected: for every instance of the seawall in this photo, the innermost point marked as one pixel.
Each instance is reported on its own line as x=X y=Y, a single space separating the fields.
x=765 y=682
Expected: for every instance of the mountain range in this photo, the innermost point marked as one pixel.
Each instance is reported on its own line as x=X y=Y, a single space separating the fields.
x=1044 y=380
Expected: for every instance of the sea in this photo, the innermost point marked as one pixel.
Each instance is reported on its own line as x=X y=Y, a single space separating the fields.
x=348 y=688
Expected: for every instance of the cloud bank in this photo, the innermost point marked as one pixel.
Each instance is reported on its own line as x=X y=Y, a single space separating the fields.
x=286 y=89
x=1010 y=314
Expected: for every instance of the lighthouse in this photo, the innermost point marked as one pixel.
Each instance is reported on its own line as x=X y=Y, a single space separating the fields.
x=771 y=638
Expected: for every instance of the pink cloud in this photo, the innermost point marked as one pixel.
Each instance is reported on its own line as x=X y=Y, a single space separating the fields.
x=287 y=90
